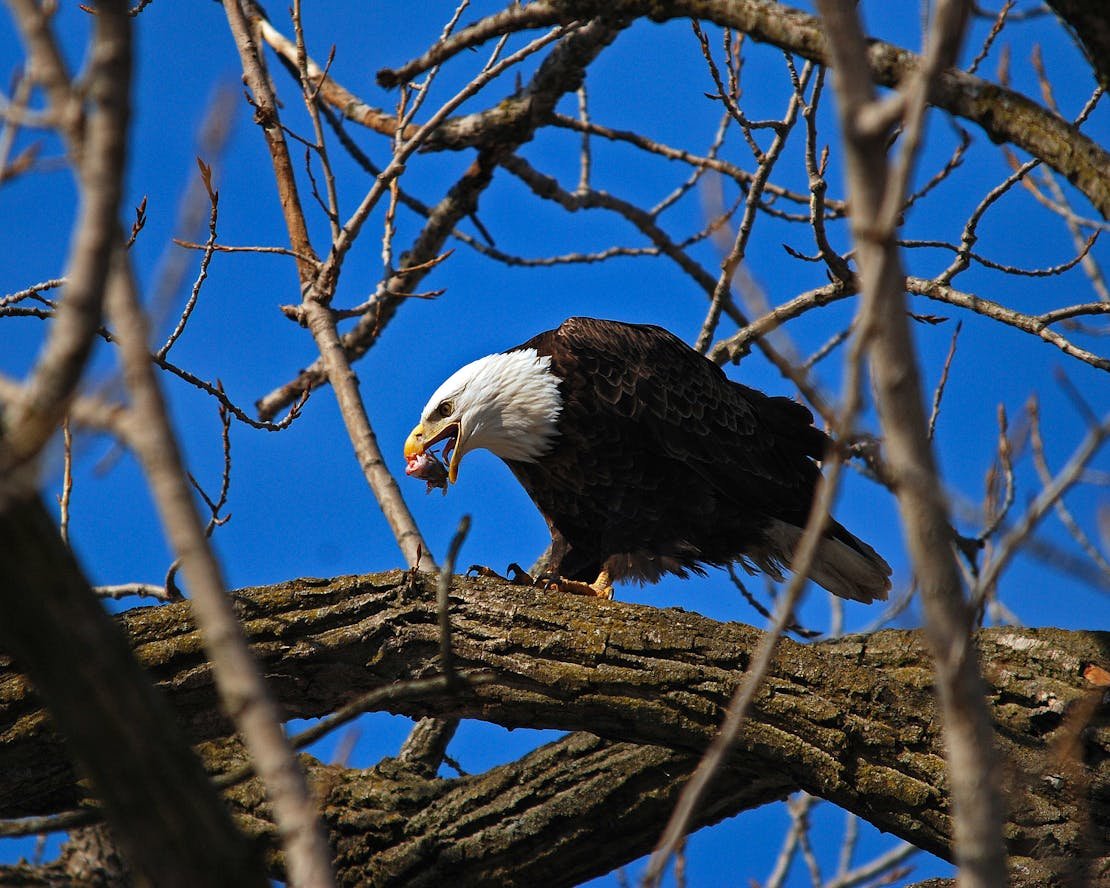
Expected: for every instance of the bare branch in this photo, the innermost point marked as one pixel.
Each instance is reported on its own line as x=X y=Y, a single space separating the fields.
x=266 y=114
x=736 y=254
x=1037 y=325
x=938 y=394
x=877 y=197
x=1071 y=473
x=209 y=248
x=1004 y=115
x=242 y=691
x=101 y=151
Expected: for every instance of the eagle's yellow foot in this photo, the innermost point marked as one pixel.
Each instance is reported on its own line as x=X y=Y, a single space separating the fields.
x=517 y=575
x=599 y=588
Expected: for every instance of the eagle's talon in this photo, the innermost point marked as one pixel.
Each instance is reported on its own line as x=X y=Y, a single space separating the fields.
x=599 y=588
x=518 y=576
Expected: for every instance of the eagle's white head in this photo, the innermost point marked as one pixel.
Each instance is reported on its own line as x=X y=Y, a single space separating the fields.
x=507 y=403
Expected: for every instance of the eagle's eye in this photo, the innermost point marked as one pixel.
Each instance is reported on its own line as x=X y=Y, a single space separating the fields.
x=445 y=409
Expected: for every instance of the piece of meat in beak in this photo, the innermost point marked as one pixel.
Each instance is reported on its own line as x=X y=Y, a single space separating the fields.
x=427 y=467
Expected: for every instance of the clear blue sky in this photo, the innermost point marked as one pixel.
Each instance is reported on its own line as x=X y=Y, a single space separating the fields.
x=298 y=502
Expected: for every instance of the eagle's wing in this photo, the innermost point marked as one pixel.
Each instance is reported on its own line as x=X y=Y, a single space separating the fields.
x=734 y=437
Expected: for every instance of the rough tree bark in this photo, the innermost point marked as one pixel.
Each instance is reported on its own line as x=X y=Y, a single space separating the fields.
x=853 y=721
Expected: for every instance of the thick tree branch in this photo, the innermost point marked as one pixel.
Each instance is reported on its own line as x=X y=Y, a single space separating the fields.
x=531 y=822
x=853 y=721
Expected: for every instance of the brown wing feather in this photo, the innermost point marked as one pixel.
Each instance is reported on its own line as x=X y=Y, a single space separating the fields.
x=735 y=435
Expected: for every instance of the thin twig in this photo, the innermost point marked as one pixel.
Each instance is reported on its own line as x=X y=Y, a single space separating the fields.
x=879 y=866
x=938 y=394
x=739 y=248
x=67 y=481
x=209 y=246
x=1005 y=462
x=142 y=590
x=1040 y=461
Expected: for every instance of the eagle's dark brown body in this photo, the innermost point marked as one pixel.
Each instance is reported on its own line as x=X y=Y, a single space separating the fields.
x=662 y=464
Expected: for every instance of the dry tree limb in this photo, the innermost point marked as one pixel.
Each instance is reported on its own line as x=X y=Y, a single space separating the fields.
x=1068 y=476
x=870 y=873
x=735 y=347
x=239 y=16
x=938 y=392
x=818 y=200
x=208 y=249
x=1038 y=325
x=12 y=112
x=835 y=209
x=317 y=283
x=729 y=265
x=877 y=193
x=67 y=481
x=193 y=208
x=31 y=292
x=100 y=148
x=141 y=590
x=593 y=39
x=1040 y=462
x=739 y=344
x=242 y=690
x=95 y=414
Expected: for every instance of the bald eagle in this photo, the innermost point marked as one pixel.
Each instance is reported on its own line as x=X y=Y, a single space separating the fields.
x=644 y=458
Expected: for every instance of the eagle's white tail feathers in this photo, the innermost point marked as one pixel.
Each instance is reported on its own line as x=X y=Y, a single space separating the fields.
x=858 y=575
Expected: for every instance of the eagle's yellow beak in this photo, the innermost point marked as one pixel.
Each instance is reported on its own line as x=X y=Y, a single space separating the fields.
x=419 y=440
x=414 y=443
